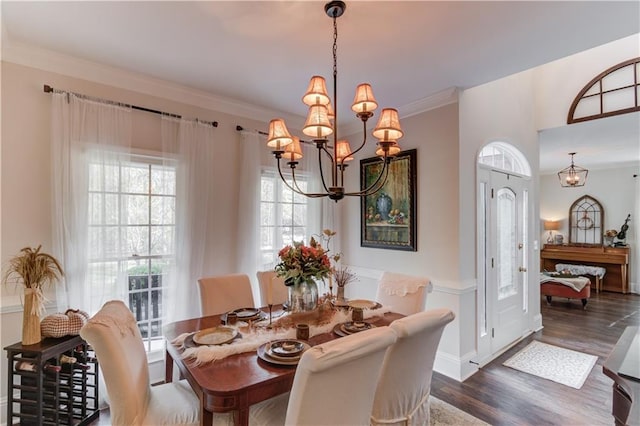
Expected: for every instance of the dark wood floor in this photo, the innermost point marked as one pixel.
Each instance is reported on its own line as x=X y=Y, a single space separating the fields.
x=502 y=396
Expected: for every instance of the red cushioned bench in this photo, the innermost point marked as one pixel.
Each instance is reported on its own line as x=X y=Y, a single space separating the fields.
x=562 y=287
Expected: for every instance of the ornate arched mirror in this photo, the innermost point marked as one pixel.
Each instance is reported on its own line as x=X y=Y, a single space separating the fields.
x=586 y=218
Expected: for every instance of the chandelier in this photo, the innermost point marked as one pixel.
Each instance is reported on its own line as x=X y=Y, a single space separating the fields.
x=573 y=176
x=322 y=122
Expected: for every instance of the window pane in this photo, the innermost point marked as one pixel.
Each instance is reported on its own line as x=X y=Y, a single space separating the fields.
x=163 y=210
x=161 y=240
x=136 y=209
x=267 y=214
x=286 y=217
x=266 y=238
x=267 y=189
x=300 y=214
x=163 y=180
x=111 y=209
x=135 y=179
x=506 y=235
x=95 y=209
x=136 y=240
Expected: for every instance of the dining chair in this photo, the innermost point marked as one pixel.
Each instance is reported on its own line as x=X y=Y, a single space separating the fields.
x=116 y=340
x=402 y=395
x=224 y=293
x=334 y=383
x=405 y=294
x=279 y=290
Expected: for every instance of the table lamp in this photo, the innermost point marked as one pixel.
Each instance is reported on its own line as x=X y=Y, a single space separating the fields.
x=551 y=225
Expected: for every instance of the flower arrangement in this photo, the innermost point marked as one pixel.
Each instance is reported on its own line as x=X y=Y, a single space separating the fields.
x=300 y=263
x=610 y=233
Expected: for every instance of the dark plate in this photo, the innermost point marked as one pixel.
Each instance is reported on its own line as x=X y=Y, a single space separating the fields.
x=286 y=348
x=263 y=354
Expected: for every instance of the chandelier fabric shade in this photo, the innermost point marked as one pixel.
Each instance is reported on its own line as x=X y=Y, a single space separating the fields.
x=317 y=92
x=573 y=176
x=293 y=151
x=364 y=101
x=318 y=125
x=388 y=127
x=279 y=135
x=321 y=123
x=344 y=151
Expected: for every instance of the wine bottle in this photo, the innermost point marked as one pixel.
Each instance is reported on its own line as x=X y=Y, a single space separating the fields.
x=32 y=367
x=70 y=363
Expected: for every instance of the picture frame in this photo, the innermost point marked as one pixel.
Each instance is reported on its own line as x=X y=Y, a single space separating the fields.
x=388 y=217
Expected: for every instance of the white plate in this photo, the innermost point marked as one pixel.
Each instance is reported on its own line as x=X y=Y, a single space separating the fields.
x=215 y=336
x=364 y=304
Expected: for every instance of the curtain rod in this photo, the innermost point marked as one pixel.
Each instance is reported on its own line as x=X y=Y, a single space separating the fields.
x=49 y=89
x=260 y=132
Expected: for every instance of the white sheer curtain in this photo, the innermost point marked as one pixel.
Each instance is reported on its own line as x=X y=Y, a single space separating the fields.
x=83 y=131
x=249 y=253
x=192 y=142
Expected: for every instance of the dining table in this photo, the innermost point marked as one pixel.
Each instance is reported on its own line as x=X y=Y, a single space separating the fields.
x=234 y=383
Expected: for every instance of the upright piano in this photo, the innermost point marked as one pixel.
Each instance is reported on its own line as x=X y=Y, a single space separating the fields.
x=614 y=259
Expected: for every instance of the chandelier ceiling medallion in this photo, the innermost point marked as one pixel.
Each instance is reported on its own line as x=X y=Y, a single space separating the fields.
x=573 y=176
x=322 y=122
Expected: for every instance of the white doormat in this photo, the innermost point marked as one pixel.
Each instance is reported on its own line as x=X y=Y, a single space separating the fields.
x=560 y=365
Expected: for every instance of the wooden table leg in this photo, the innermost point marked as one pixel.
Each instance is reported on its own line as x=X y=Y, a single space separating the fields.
x=206 y=416
x=168 y=367
x=241 y=417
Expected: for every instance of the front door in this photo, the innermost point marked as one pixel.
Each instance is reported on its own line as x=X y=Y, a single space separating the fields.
x=506 y=259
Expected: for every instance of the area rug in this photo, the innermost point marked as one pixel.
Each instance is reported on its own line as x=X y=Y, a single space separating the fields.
x=560 y=365
x=442 y=414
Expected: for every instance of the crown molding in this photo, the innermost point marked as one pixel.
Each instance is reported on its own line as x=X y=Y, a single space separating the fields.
x=437 y=100
x=48 y=60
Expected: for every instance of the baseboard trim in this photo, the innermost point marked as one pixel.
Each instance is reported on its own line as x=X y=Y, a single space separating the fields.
x=457 y=368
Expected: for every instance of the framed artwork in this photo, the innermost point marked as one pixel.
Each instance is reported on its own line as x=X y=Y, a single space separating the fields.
x=388 y=217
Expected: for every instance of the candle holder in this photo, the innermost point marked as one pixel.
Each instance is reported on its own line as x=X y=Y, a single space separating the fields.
x=270 y=317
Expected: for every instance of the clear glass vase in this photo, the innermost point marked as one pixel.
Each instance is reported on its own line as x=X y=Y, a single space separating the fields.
x=303 y=297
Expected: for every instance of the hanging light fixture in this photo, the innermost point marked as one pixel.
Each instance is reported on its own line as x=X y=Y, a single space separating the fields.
x=319 y=126
x=573 y=175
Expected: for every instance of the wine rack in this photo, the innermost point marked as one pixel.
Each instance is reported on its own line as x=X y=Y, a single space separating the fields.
x=54 y=382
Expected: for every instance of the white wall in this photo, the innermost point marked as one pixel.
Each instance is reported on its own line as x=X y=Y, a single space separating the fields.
x=614 y=188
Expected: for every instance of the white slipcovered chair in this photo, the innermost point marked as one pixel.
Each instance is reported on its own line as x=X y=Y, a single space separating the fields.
x=118 y=345
x=279 y=290
x=404 y=294
x=334 y=384
x=225 y=293
x=402 y=395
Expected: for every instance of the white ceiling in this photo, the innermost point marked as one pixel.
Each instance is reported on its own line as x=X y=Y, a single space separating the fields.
x=264 y=52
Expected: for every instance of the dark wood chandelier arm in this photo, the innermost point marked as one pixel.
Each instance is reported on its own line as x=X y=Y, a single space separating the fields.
x=364 y=138
x=375 y=186
x=324 y=184
x=297 y=189
x=301 y=192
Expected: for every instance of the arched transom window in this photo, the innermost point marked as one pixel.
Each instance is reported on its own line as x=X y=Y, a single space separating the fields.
x=504 y=157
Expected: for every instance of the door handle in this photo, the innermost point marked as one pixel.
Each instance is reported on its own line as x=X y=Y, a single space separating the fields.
x=522 y=269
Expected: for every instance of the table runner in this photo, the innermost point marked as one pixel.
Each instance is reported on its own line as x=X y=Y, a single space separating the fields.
x=253 y=337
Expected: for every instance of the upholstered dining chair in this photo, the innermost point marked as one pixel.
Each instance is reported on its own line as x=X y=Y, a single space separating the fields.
x=405 y=294
x=224 y=293
x=334 y=384
x=403 y=390
x=279 y=290
x=114 y=335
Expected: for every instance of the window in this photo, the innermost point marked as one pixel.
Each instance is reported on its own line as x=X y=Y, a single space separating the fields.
x=502 y=156
x=131 y=237
x=283 y=216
